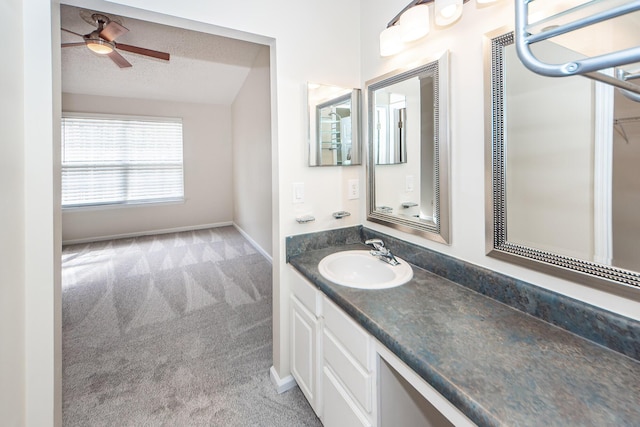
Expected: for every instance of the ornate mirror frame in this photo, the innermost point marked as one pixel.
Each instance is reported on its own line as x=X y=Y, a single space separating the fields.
x=497 y=243
x=437 y=230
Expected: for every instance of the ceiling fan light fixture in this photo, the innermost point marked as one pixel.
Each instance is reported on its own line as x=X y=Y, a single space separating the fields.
x=99 y=46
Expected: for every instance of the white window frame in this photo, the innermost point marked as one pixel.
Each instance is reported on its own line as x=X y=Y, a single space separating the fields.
x=125 y=165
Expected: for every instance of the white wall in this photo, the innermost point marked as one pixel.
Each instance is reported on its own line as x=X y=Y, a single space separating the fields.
x=465 y=42
x=42 y=357
x=251 y=118
x=207 y=172
x=12 y=227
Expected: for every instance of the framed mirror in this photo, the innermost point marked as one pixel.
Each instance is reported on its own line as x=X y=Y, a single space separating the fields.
x=334 y=125
x=562 y=181
x=408 y=150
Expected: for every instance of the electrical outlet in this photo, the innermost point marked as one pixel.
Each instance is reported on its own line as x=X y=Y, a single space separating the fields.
x=298 y=192
x=353 y=189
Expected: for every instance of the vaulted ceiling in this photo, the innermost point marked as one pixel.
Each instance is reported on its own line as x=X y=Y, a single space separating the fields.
x=203 y=68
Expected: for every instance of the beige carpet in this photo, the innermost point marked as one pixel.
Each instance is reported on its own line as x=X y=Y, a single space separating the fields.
x=171 y=330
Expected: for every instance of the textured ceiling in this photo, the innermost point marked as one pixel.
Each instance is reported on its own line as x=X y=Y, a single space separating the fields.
x=204 y=68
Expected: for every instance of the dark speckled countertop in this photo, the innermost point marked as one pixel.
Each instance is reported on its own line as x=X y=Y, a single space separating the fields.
x=499 y=366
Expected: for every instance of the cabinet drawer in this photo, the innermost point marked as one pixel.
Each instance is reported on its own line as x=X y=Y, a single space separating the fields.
x=348 y=333
x=339 y=409
x=354 y=377
x=307 y=294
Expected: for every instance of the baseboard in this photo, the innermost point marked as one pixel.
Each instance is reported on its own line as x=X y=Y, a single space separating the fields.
x=282 y=384
x=255 y=244
x=147 y=233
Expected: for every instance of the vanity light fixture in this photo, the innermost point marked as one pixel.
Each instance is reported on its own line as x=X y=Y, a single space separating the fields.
x=447 y=11
x=391 y=41
x=412 y=23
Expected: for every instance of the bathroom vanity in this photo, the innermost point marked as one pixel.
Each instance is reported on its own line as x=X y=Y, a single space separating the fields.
x=435 y=352
x=350 y=378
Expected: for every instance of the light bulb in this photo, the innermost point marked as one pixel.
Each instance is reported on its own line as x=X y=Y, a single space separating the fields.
x=99 y=46
x=447 y=11
x=414 y=23
x=391 y=41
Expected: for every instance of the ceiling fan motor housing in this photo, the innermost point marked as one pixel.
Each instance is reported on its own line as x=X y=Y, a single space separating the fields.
x=100 y=19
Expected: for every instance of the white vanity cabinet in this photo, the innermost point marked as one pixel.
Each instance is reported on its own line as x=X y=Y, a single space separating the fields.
x=351 y=379
x=332 y=358
x=306 y=338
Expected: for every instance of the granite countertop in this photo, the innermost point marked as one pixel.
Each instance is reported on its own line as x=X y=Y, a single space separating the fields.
x=499 y=366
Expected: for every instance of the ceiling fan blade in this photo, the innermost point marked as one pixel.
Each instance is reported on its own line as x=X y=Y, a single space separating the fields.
x=73 y=44
x=119 y=59
x=72 y=32
x=143 y=51
x=112 y=31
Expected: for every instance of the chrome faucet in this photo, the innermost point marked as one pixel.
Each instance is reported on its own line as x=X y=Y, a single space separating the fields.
x=381 y=252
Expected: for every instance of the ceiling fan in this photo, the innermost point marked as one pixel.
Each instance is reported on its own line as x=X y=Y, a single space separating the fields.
x=102 y=41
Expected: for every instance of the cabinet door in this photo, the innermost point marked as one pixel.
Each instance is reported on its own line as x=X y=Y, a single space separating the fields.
x=304 y=351
x=339 y=410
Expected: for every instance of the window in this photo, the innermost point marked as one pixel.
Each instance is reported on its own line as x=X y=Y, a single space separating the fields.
x=120 y=160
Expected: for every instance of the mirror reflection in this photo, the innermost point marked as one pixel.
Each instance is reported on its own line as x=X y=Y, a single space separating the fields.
x=408 y=147
x=390 y=122
x=566 y=186
x=334 y=121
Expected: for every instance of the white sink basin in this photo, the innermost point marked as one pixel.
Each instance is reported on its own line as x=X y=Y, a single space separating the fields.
x=360 y=269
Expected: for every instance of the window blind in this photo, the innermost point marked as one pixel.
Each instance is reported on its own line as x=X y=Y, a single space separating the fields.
x=109 y=161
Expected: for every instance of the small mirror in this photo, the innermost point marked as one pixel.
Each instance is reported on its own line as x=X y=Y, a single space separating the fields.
x=409 y=150
x=334 y=123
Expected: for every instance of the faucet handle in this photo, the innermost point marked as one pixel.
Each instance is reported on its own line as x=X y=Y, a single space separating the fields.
x=376 y=243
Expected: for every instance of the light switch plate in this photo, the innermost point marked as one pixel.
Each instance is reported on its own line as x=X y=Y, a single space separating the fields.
x=353 y=189
x=298 y=192
x=409 y=183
